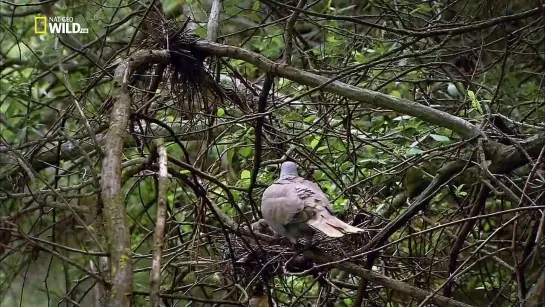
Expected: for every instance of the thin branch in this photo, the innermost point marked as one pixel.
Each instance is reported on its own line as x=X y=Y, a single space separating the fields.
x=387 y=282
x=158 y=235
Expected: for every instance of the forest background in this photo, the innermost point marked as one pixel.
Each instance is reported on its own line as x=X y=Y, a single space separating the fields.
x=133 y=157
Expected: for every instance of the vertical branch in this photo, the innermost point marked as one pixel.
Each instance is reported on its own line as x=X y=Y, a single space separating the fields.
x=540 y=160
x=99 y=291
x=536 y=295
x=213 y=21
x=480 y=201
x=262 y=106
x=210 y=110
x=158 y=235
x=117 y=231
x=288 y=33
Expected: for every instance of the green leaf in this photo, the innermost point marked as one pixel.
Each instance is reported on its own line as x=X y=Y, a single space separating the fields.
x=396 y=94
x=486 y=226
x=475 y=104
x=459 y=191
x=440 y=138
x=246 y=174
x=236 y=195
x=292 y=116
x=255 y=7
x=309 y=119
x=221 y=112
x=332 y=39
x=170 y=198
x=340 y=204
x=245 y=151
x=322 y=148
x=315 y=142
x=360 y=58
x=471 y=95
x=413 y=151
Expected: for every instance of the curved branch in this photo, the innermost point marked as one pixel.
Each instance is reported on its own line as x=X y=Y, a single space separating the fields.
x=403 y=106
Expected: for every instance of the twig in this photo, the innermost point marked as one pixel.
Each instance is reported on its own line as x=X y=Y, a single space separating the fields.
x=158 y=235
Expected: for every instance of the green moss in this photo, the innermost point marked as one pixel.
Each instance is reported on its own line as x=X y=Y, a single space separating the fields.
x=123 y=260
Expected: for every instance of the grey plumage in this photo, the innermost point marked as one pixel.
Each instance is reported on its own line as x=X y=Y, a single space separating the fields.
x=295 y=207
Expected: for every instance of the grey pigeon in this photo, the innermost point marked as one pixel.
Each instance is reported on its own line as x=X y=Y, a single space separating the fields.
x=295 y=207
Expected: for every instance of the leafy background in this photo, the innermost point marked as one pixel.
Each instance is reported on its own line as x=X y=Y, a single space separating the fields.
x=479 y=61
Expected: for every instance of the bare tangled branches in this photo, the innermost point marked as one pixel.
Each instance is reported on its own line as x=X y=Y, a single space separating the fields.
x=423 y=121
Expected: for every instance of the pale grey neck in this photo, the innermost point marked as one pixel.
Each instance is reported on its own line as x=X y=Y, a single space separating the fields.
x=288 y=176
x=288 y=170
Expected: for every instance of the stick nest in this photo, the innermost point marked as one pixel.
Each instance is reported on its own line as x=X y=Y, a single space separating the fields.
x=246 y=260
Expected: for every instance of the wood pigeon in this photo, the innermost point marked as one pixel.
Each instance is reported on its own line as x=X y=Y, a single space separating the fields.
x=295 y=207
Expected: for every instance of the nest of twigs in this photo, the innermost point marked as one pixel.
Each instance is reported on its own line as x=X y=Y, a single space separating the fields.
x=247 y=259
x=186 y=88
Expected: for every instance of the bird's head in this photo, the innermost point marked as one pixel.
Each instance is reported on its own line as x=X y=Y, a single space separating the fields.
x=288 y=169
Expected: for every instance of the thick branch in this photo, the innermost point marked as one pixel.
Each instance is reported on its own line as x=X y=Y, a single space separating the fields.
x=117 y=232
x=536 y=295
x=213 y=21
x=400 y=105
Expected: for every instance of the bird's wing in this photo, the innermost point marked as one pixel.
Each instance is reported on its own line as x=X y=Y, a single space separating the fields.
x=281 y=203
x=314 y=205
x=317 y=192
x=322 y=217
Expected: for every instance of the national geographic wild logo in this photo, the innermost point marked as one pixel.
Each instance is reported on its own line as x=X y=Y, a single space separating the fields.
x=57 y=25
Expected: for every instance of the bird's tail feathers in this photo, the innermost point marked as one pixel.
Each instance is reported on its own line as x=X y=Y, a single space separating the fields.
x=332 y=226
x=337 y=223
x=327 y=229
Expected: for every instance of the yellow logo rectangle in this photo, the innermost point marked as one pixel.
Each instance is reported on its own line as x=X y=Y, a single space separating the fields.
x=37 y=21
